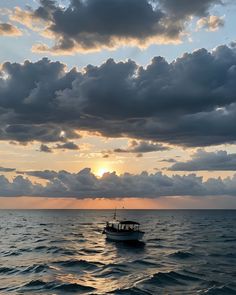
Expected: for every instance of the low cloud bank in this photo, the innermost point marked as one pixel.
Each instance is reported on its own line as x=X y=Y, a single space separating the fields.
x=85 y=184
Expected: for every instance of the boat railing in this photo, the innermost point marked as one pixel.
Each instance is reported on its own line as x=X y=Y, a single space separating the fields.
x=121 y=227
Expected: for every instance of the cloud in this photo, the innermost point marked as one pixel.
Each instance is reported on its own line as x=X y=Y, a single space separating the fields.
x=93 y=25
x=170 y=160
x=183 y=8
x=141 y=147
x=105 y=156
x=209 y=161
x=46 y=174
x=24 y=133
x=9 y=30
x=44 y=148
x=4 y=169
x=35 y=20
x=85 y=184
x=190 y=101
x=211 y=23
x=67 y=146
x=18 y=187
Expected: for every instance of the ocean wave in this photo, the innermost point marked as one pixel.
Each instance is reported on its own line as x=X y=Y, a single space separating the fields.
x=40 y=240
x=91 y=251
x=83 y=264
x=55 y=250
x=131 y=291
x=181 y=255
x=7 y=270
x=73 y=287
x=60 y=286
x=169 y=278
x=41 y=247
x=155 y=240
x=36 y=268
x=230 y=240
x=146 y=263
x=61 y=241
x=223 y=290
x=226 y=255
x=110 y=272
x=35 y=283
x=60 y=250
x=11 y=253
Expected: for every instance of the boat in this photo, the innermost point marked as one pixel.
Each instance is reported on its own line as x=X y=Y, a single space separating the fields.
x=125 y=230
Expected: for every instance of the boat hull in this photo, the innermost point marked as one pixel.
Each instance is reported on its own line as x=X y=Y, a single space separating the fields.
x=124 y=236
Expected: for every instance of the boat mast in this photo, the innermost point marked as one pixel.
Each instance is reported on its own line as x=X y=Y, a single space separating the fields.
x=114 y=217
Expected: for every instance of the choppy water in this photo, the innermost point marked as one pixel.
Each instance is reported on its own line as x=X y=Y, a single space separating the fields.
x=64 y=252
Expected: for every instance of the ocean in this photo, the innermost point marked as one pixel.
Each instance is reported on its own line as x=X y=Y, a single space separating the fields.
x=65 y=252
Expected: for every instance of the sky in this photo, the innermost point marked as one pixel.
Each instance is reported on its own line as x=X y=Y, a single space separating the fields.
x=117 y=103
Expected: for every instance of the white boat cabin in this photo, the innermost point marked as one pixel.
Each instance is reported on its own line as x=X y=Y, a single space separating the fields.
x=125 y=225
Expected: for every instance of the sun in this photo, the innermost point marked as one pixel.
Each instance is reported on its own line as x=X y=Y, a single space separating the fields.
x=101 y=171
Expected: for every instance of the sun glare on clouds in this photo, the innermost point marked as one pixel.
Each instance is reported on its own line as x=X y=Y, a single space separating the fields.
x=101 y=170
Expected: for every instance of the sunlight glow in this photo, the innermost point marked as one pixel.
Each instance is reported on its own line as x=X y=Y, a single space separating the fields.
x=101 y=171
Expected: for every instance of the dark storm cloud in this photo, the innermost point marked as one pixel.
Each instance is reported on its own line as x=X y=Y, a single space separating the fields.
x=190 y=101
x=210 y=161
x=142 y=147
x=85 y=184
x=93 y=24
x=24 y=133
x=5 y=169
x=27 y=101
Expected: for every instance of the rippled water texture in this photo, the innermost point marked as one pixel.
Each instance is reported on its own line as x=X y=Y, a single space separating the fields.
x=64 y=252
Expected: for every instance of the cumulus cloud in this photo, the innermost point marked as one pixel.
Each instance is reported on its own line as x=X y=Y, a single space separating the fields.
x=211 y=23
x=210 y=161
x=92 y=25
x=190 y=101
x=20 y=186
x=9 y=30
x=85 y=184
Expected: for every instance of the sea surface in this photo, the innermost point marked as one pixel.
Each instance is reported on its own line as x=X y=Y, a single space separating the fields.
x=65 y=252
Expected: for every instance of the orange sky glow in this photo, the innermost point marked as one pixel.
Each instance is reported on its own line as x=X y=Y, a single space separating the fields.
x=127 y=203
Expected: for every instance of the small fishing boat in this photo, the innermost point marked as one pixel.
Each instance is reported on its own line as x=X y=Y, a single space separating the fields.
x=125 y=230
